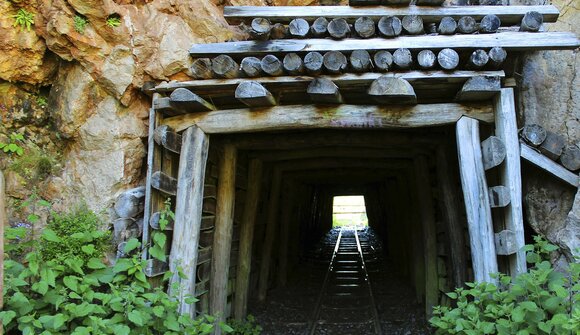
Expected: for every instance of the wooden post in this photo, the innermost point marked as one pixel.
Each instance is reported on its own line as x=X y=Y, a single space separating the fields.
x=427 y=213
x=246 y=238
x=452 y=217
x=270 y=235
x=3 y=221
x=222 y=241
x=188 y=208
x=476 y=197
x=510 y=174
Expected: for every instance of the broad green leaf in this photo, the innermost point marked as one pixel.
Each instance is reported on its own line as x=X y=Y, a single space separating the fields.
x=131 y=245
x=7 y=317
x=95 y=264
x=135 y=317
x=88 y=249
x=50 y=235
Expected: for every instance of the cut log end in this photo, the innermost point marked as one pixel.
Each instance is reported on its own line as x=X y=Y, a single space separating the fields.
x=489 y=24
x=298 y=28
x=293 y=64
x=319 y=27
x=534 y=134
x=570 y=158
x=412 y=24
x=338 y=29
x=553 y=145
x=335 y=62
x=251 y=66
x=325 y=91
x=224 y=66
x=493 y=151
x=532 y=21
x=201 y=68
x=364 y=27
x=253 y=94
x=390 y=26
x=479 y=88
x=392 y=90
x=448 y=59
x=260 y=28
x=447 y=26
x=426 y=59
x=360 y=61
x=466 y=25
x=403 y=59
x=271 y=65
x=313 y=62
x=383 y=61
x=497 y=56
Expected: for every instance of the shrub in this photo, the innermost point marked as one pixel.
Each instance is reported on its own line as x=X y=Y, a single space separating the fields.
x=245 y=327
x=24 y=19
x=541 y=301
x=80 y=23
x=14 y=145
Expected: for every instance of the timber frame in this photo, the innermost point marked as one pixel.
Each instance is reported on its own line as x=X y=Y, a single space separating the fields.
x=186 y=114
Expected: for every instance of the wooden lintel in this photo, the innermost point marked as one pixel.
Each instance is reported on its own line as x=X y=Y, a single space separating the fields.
x=509 y=15
x=510 y=41
x=548 y=165
x=479 y=88
x=166 y=137
x=340 y=116
x=164 y=183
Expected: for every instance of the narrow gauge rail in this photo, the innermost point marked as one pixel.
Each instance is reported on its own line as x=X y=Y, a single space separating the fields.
x=346 y=299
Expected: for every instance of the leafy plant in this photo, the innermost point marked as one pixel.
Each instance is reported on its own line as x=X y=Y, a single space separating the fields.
x=80 y=23
x=157 y=249
x=113 y=21
x=541 y=301
x=24 y=19
x=36 y=164
x=41 y=101
x=245 y=327
x=14 y=144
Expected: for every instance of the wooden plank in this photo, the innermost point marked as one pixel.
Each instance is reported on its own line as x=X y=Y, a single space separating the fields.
x=328 y=117
x=548 y=165
x=224 y=223
x=475 y=194
x=246 y=238
x=164 y=183
x=509 y=15
x=166 y=137
x=186 y=229
x=510 y=41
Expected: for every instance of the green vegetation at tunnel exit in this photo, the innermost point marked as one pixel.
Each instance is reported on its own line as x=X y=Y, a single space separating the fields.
x=349 y=211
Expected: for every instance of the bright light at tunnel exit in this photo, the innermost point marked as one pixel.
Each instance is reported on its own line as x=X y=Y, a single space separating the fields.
x=349 y=211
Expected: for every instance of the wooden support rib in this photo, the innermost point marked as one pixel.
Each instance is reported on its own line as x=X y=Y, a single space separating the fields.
x=510 y=41
x=476 y=198
x=499 y=196
x=548 y=165
x=494 y=152
x=392 y=90
x=185 y=101
x=323 y=90
x=164 y=183
x=166 y=137
x=479 y=88
x=509 y=15
x=253 y=94
x=328 y=117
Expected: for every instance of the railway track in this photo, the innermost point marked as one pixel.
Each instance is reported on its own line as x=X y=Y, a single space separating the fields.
x=346 y=304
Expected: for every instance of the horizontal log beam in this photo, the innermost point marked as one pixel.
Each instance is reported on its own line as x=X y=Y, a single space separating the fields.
x=329 y=117
x=548 y=165
x=509 y=15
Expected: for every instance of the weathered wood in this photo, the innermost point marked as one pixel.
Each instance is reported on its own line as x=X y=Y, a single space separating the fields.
x=478 y=59
x=493 y=151
x=499 y=196
x=313 y=62
x=224 y=223
x=334 y=62
x=293 y=64
x=403 y=58
x=509 y=15
x=448 y=59
x=412 y=24
x=154 y=221
x=319 y=27
x=164 y=183
x=390 y=26
x=388 y=89
x=505 y=243
x=497 y=56
x=338 y=29
x=553 y=145
x=260 y=28
x=186 y=101
x=466 y=25
x=364 y=2
x=510 y=174
x=429 y=2
x=130 y=203
x=155 y=267
x=323 y=90
x=532 y=21
x=187 y=222
x=534 y=134
x=447 y=26
x=546 y=164
x=248 y=223
x=341 y=116
x=253 y=94
x=476 y=198
x=570 y=157
x=431 y=28
x=279 y=31
x=360 y=61
x=396 y=2
x=163 y=105
x=489 y=24
x=298 y=28
x=364 y=27
x=224 y=66
x=426 y=59
x=201 y=68
x=271 y=65
x=511 y=41
x=479 y=88
x=251 y=66
x=167 y=138
x=383 y=61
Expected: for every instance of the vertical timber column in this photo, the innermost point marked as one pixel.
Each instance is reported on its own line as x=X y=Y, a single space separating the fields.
x=246 y=239
x=222 y=240
x=270 y=235
x=510 y=174
x=188 y=210
x=476 y=198
x=424 y=194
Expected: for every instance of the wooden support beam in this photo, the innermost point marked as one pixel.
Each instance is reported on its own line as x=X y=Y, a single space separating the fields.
x=499 y=196
x=188 y=211
x=479 y=88
x=510 y=41
x=224 y=224
x=340 y=116
x=548 y=165
x=506 y=243
x=509 y=15
x=185 y=101
x=164 y=183
x=167 y=138
x=246 y=239
x=253 y=94
x=387 y=89
x=475 y=194
x=323 y=90
x=493 y=151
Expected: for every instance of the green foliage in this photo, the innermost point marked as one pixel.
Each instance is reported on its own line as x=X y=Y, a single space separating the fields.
x=80 y=23
x=157 y=249
x=113 y=21
x=14 y=145
x=245 y=327
x=35 y=165
x=41 y=101
x=541 y=301
x=80 y=294
x=24 y=19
